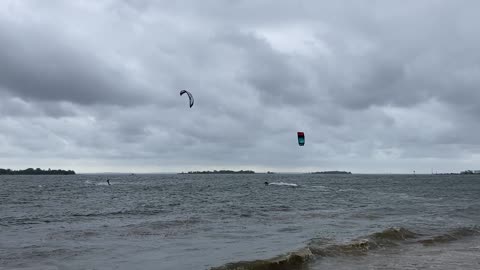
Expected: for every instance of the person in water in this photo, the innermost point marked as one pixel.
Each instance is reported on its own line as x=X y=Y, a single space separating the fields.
x=266 y=183
x=108 y=182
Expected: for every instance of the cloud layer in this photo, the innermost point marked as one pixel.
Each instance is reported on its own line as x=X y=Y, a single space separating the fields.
x=378 y=87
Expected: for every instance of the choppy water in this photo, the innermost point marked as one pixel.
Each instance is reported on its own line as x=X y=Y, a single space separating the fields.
x=236 y=222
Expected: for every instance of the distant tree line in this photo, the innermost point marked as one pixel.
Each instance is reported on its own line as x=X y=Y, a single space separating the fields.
x=222 y=172
x=37 y=171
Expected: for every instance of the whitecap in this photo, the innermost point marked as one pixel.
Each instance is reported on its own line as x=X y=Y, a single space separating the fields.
x=283 y=184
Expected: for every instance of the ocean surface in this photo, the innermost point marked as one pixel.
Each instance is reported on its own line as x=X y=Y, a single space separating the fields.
x=236 y=222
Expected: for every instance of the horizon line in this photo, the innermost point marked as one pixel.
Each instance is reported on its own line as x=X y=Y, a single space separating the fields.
x=380 y=173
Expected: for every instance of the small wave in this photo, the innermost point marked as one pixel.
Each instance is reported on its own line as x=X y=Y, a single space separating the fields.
x=394 y=234
x=13 y=221
x=121 y=212
x=319 y=248
x=282 y=184
x=72 y=235
x=320 y=187
x=451 y=236
x=468 y=211
x=290 y=229
x=386 y=238
x=287 y=261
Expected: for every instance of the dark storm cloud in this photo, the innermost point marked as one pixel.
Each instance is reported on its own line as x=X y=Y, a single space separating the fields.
x=377 y=83
x=40 y=66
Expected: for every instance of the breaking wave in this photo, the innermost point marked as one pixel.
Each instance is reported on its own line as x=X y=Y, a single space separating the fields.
x=318 y=248
x=386 y=238
x=292 y=260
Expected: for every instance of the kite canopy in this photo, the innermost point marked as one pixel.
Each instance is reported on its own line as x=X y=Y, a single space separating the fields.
x=301 y=138
x=190 y=97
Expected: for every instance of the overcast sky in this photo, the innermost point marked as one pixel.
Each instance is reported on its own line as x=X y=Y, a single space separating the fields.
x=377 y=86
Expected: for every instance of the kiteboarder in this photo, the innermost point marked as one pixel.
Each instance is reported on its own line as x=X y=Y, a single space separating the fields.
x=108 y=182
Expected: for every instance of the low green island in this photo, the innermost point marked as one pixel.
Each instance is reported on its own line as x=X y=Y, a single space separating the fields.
x=470 y=172
x=332 y=172
x=221 y=172
x=37 y=171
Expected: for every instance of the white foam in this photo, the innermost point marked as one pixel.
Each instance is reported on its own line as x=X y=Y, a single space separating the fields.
x=103 y=184
x=348 y=190
x=283 y=184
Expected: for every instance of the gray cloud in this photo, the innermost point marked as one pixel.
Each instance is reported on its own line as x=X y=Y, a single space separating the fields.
x=94 y=86
x=41 y=67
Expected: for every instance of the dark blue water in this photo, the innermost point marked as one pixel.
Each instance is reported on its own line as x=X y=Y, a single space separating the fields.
x=204 y=221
